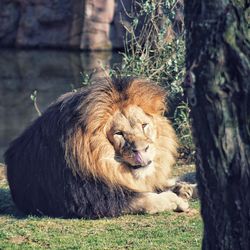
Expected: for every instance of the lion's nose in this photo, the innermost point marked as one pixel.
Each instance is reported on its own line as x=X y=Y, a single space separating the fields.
x=135 y=150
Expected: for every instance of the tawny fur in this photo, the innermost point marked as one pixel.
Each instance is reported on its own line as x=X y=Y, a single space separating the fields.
x=90 y=151
x=71 y=161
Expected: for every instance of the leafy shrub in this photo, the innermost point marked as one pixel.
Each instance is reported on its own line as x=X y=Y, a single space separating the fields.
x=155 y=49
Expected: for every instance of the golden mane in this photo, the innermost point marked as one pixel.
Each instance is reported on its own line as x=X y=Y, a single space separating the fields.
x=89 y=152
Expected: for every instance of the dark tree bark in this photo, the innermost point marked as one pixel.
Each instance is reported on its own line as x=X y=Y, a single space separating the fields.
x=218 y=88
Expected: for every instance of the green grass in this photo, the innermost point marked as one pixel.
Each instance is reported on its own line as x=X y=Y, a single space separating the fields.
x=168 y=230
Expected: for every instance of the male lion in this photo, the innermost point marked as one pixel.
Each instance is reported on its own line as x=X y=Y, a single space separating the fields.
x=102 y=151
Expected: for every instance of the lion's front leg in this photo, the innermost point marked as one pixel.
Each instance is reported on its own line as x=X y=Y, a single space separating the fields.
x=153 y=203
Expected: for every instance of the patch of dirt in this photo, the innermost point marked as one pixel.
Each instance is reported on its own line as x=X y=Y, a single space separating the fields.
x=18 y=239
x=192 y=212
x=2 y=172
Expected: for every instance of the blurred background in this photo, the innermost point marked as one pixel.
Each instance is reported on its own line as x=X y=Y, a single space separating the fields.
x=49 y=47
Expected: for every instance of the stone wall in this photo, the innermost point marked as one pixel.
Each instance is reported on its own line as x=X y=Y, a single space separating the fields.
x=71 y=24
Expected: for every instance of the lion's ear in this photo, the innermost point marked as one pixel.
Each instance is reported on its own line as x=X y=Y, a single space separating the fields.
x=159 y=104
x=149 y=96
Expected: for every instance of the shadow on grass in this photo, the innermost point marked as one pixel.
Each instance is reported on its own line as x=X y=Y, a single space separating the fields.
x=7 y=207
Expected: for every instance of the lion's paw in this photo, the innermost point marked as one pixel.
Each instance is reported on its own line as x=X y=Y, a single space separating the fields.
x=177 y=203
x=185 y=190
x=182 y=206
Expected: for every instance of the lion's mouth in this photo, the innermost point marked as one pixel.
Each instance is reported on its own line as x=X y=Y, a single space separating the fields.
x=141 y=166
x=134 y=164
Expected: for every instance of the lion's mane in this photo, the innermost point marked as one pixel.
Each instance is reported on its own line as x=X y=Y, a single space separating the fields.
x=64 y=165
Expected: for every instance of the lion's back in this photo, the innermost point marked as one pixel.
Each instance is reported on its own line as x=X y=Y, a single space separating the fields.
x=30 y=159
x=42 y=181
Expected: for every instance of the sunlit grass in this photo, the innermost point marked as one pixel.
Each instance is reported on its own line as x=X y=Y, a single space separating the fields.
x=168 y=230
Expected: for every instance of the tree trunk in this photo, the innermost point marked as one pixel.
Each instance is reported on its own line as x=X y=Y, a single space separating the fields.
x=218 y=88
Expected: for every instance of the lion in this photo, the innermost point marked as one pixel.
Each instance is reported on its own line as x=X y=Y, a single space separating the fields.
x=103 y=151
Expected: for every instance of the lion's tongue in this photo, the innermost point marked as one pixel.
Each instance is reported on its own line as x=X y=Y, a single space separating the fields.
x=138 y=158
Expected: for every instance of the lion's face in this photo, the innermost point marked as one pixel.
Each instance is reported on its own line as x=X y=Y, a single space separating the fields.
x=132 y=134
x=121 y=135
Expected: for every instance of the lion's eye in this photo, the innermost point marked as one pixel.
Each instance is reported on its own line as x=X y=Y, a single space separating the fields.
x=144 y=125
x=120 y=133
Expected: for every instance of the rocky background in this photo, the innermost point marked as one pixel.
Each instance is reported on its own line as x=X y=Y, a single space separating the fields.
x=50 y=73
x=69 y=24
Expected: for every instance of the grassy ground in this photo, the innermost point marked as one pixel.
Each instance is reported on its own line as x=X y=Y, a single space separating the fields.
x=166 y=230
